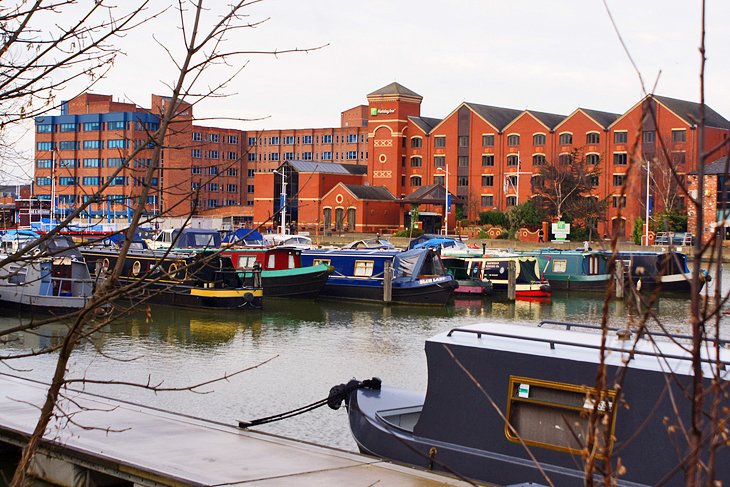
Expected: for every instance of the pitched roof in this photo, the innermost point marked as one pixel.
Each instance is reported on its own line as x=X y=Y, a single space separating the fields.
x=395 y=89
x=551 y=120
x=497 y=116
x=719 y=166
x=433 y=193
x=327 y=167
x=689 y=111
x=380 y=193
x=603 y=118
x=425 y=123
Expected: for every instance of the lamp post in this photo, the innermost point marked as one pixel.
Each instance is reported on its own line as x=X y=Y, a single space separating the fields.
x=646 y=221
x=282 y=201
x=446 y=199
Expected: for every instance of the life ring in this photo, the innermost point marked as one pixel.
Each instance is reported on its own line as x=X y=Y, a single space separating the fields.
x=172 y=270
x=136 y=268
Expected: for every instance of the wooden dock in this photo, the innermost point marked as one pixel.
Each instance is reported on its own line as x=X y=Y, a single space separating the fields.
x=146 y=447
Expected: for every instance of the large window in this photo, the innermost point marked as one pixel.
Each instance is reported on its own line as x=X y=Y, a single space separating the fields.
x=117 y=144
x=463 y=161
x=67 y=127
x=648 y=136
x=463 y=141
x=68 y=144
x=620 y=158
x=197 y=153
x=115 y=162
x=566 y=138
x=67 y=181
x=555 y=415
x=44 y=146
x=487 y=200
x=116 y=125
x=593 y=138
x=91 y=181
x=488 y=140
x=416 y=142
x=619 y=201
x=679 y=136
x=513 y=140
x=538 y=139
x=513 y=160
x=488 y=160
x=44 y=163
x=487 y=180
x=307 y=139
x=92 y=126
x=275 y=140
x=351 y=138
x=326 y=139
x=620 y=137
x=93 y=162
x=511 y=201
x=593 y=159
x=363 y=268
x=45 y=128
x=462 y=181
x=439 y=141
x=619 y=179
x=416 y=161
x=538 y=160
x=439 y=161
x=93 y=144
x=416 y=181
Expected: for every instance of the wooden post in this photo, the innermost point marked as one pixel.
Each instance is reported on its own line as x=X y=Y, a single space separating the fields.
x=618 y=279
x=511 y=280
x=387 y=282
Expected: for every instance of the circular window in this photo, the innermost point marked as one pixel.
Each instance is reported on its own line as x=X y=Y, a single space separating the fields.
x=136 y=267
x=383 y=158
x=339 y=198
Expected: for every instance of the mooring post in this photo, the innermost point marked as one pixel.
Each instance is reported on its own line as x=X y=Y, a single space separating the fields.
x=618 y=278
x=387 y=282
x=511 y=280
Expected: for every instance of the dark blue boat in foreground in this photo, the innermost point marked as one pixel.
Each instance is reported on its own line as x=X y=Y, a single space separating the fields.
x=496 y=391
x=419 y=276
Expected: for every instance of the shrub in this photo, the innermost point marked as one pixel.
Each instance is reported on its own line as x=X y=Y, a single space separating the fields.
x=638 y=230
x=495 y=218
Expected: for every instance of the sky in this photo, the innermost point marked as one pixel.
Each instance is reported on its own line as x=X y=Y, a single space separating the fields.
x=546 y=56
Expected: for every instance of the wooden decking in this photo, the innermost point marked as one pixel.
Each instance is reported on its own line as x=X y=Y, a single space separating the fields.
x=151 y=447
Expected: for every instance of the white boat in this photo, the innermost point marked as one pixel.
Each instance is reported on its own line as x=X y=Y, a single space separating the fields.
x=52 y=278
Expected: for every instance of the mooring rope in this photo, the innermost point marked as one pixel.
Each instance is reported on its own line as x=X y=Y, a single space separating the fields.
x=334 y=400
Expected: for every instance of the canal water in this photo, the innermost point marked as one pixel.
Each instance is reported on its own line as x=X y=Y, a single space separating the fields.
x=296 y=351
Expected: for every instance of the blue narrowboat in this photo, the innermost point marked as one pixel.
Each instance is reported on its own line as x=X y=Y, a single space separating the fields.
x=574 y=270
x=419 y=276
x=665 y=271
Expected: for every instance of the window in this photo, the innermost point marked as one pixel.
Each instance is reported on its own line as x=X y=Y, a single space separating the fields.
x=327 y=156
x=214 y=138
x=67 y=181
x=554 y=415
x=307 y=139
x=232 y=188
x=196 y=170
x=116 y=125
x=439 y=141
x=212 y=203
x=213 y=171
x=594 y=181
x=620 y=158
x=91 y=181
x=593 y=159
x=197 y=136
x=197 y=153
x=537 y=181
x=69 y=145
x=195 y=186
x=94 y=162
x=678 y=157
x=619 y=179
x=44 y=146
x=363 y=268
x=288 y=139
x=43 y=181
x=252 y=141
x=463 y=161
x=462 y=181
x=488 y=200
x=44 y=163
x=463 y=141
x=619 y=201
x=439 y=161
x=251 y=157
x=416 y=181
x=679 y=136
x=416 y=142
x=565 y=159
x=234 y=172
x=93 y=144
x=593 y=138
x=118 y=181
x=115 y=162
x=488 y=180
x=538 y=139
x=511 y=201
x=67 y=127
x=538 y=160
x=648 y=136
x=487 y=160
x=513 y=160
x=233 y=139
x=351 y=138
x=92 y=126
x=250 y=188
x=326 y=139
x=288 y=156
x=214 y=154
x=45 y=128
x=566 y=138
x=117 y=144
x=352 y=154
x=67 y=163
x=274 y=157
x=416 y=161
x=232 y=156
x=620 y=137
x=213 y=187
x=488 y=140
x=513 y=140
x=306 y=156
x=275 y=140
x=439 y=180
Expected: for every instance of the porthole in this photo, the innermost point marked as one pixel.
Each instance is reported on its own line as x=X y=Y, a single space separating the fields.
x=136 y=267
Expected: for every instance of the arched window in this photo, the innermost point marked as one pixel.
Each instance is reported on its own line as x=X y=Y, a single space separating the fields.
x=593 y=138
x=538 y=139
x=566 y=138
x=513 y=160
x=416 y=161
x=415 y=181
x=593 y=159
x=538 y=160
x=513 y=140
x=511 y=201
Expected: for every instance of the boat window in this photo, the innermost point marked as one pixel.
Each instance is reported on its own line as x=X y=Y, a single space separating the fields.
x=320 y=261
x=246 y=261
x=363 y=268
x=271 y=264
x=291 y=264
x=556 y=415
x=560 y=265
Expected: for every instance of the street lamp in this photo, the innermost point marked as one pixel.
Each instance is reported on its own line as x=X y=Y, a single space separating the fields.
x=446 y=200
x=282 y=201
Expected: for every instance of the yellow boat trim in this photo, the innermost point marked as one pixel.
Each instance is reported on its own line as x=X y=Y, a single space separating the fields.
x=226 y=293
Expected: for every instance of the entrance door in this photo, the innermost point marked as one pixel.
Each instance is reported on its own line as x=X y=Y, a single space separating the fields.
x=339 y=219
x=327 y=218
x=351 y=219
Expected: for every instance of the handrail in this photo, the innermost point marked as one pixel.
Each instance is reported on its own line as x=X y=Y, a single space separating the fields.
x=552 y=343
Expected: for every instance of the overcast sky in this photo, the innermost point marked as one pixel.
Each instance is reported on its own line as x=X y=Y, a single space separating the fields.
x=548 y=56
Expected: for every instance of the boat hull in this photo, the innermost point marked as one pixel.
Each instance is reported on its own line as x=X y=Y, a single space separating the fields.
x=434 y=294
x=299 y=283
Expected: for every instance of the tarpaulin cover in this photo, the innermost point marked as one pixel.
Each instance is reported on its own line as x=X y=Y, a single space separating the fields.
x=192 y=238
x=407 y=264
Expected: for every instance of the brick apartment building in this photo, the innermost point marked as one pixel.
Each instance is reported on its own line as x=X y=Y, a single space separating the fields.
x=490 y=154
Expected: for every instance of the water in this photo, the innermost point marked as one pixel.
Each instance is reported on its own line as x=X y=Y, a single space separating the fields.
x=296 y=351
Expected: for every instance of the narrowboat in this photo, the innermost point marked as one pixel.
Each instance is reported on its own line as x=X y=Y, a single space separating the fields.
x=667 y=272
x=511 y=405
x=187 y=279
x=51 y=278
x=467 y=275
x=573 y=270
x=528 y=284
x=418 y=276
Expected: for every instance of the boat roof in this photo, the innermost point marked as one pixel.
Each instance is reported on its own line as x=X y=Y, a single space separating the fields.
x=660 y=354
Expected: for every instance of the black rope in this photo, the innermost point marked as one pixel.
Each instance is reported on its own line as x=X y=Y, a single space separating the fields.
x=334 y=400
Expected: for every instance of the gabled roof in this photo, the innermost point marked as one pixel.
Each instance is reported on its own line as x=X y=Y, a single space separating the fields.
x=379 y=193
x=604 y=119
x=719 y=166
x=395 y=89
x=497 y=116
x=431 y=194
x=690 y=112
x=425 y=123
x=327 y=167
x=550 y=120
